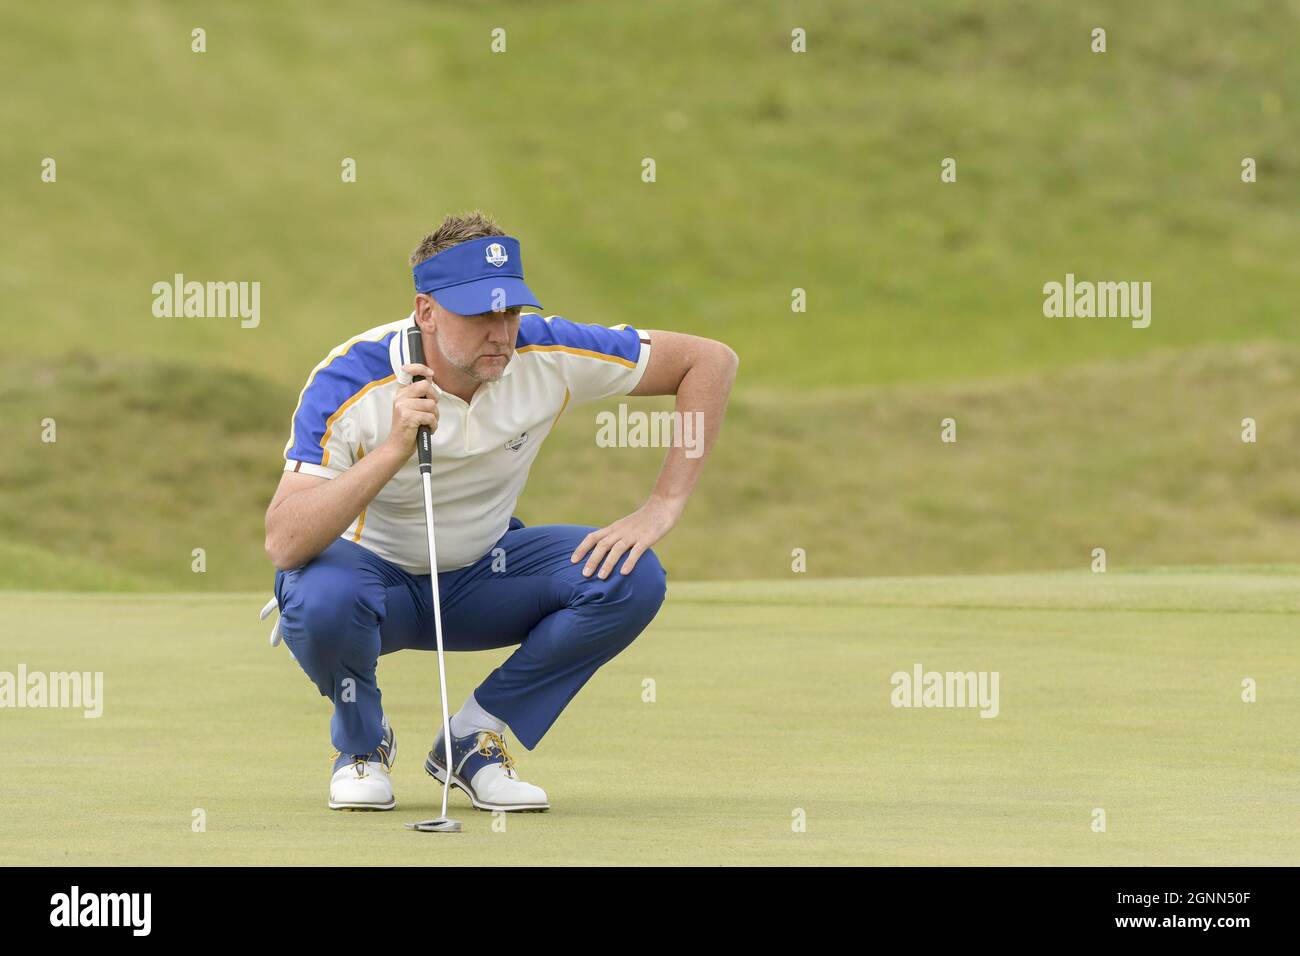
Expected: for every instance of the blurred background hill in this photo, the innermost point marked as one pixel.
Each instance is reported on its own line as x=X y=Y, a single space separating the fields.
x=775 y=171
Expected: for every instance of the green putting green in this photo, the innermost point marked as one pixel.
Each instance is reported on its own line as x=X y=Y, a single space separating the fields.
x=771 y=707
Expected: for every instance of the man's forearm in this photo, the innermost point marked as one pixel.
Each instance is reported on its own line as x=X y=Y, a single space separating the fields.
x=701 y=404
x=307 y=522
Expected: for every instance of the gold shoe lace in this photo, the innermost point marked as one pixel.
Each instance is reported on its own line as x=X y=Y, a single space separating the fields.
x=489 y=739
x=380 y=754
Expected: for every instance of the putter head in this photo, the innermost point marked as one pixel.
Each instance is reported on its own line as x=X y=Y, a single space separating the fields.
x=440 y=825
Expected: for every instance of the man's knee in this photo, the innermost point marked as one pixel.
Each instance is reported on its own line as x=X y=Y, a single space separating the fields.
x=648 y=582
x=327 y=609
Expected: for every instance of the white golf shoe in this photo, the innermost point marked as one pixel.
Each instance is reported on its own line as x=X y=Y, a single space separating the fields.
x=486 y=772
x=361 y=781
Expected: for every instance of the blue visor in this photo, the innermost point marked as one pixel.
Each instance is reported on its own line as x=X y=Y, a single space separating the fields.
x=481 y=275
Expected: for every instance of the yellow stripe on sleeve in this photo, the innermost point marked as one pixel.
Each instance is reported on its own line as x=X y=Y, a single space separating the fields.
x=562 y=408
x=329 y=422
x=339 y=352
x=361 y=519
x=586 y=353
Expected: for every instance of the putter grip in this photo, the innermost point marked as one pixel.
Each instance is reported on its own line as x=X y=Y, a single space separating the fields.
x=424 y=438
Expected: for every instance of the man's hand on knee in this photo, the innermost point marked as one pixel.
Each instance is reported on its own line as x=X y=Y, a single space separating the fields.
x=634 y=536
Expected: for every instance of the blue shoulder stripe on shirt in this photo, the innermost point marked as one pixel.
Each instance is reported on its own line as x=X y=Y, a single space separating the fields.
x=331 y=386
x=548 y=334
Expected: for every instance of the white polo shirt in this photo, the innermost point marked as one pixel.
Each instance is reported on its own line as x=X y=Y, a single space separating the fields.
x=481 y=450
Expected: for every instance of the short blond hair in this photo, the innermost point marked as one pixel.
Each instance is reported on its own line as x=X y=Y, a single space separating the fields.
x=454 y=230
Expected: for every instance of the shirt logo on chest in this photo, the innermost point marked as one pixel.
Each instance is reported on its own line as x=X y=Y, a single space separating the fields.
x=515 y=444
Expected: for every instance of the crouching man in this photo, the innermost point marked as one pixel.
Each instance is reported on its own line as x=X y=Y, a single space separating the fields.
x=346 y=527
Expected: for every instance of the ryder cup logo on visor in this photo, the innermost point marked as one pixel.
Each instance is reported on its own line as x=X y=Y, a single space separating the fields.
x=496 y=254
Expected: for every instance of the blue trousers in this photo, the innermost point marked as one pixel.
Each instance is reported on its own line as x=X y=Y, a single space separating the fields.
x=343 y=609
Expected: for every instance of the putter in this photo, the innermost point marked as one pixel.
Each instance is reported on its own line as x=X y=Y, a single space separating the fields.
x=443 y=824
